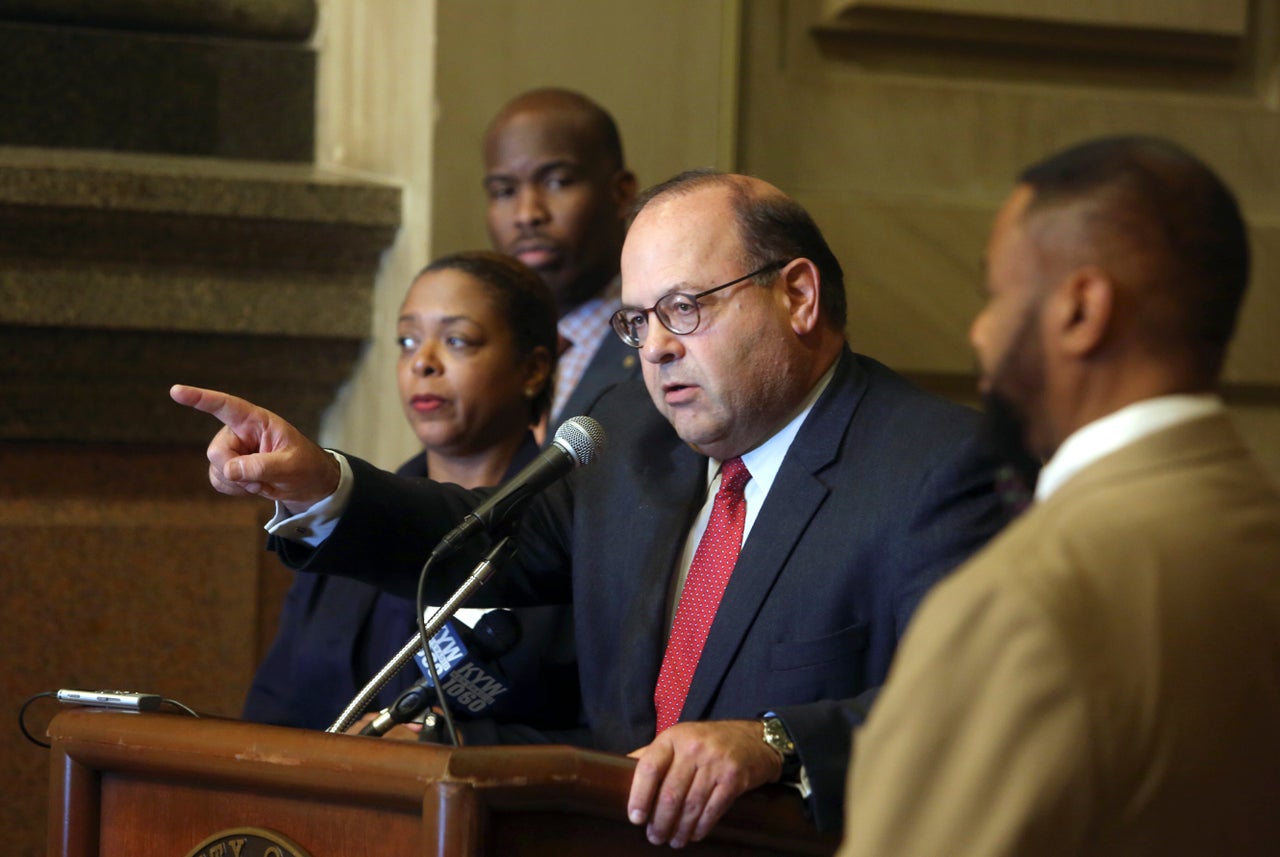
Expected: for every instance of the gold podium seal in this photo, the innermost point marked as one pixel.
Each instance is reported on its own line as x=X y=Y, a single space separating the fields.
x=248 y=842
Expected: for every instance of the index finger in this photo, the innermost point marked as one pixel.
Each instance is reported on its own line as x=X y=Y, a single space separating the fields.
x=229 y=410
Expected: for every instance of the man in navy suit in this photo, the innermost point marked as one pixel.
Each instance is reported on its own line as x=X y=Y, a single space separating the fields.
x=559 y=194
x=862 y=492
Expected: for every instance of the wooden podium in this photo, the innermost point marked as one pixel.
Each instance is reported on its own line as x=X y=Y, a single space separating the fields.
x=158 y=785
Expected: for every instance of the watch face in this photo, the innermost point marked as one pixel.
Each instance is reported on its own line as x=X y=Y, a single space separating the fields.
x=775 y=735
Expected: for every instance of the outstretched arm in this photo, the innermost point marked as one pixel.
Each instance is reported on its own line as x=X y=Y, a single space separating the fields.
x=257 y=452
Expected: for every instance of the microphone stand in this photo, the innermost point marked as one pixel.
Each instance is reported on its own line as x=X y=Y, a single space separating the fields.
x=500 y=553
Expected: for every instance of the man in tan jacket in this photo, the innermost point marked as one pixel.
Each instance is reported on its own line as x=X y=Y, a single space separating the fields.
x=1104 y=677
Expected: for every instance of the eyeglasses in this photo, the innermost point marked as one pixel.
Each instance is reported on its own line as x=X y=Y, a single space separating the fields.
x=677 y=311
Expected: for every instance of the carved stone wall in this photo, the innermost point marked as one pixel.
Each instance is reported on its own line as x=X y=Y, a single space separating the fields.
x=220 y=78
x=122 y=274
x=162 y=220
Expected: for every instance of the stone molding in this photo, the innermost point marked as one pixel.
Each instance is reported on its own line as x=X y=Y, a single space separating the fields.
x=275 y=20
x=194 y=92
x=122 y=274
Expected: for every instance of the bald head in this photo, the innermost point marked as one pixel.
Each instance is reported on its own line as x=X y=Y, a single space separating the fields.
x=771 y=226
x=558 y=190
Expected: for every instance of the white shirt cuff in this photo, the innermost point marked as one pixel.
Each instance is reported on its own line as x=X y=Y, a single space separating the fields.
x=312 y=526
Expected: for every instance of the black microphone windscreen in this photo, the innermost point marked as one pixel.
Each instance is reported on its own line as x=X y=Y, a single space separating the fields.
x=496 y=633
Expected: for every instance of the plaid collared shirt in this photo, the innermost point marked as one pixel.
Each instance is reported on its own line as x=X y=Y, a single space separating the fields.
x=584 y=328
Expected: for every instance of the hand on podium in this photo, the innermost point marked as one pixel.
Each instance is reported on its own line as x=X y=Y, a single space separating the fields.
x=691 y=774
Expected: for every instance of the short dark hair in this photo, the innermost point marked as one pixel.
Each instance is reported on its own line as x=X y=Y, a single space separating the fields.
x=772 y=227
x=523 y=301
x=596 y=121
x=1153 y=201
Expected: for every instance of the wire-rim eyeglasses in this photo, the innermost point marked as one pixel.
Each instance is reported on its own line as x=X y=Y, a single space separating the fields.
x=678 y=311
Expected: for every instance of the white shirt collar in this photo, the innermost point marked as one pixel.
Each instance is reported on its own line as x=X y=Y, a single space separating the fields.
x=1121 y=428
x=763 y=463
x=765 y=460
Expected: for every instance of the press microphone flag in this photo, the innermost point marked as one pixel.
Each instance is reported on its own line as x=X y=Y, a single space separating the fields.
x=501 y=551
x=577 y=442
x=472 y=682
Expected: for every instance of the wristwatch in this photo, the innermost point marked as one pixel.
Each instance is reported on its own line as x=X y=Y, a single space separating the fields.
x=779 y=739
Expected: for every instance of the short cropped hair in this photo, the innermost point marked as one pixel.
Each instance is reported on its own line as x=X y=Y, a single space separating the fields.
x=1150 y=200
x=597 y=122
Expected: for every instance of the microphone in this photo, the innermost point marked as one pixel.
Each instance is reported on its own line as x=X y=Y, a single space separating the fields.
x=470 y=683
x=577 y=442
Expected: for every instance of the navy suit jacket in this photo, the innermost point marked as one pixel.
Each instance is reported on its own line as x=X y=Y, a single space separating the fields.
x=884 y=490
x=613 y=362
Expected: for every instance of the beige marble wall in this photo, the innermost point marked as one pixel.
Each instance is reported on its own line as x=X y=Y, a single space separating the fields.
x=375 y=112
x=903 y=132
x=664 y=67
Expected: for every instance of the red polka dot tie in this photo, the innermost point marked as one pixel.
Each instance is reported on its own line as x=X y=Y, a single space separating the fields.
x=704 y=586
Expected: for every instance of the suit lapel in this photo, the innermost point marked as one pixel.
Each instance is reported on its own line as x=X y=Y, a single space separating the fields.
x=670 y=494
x=614 y=361
x=795 y=497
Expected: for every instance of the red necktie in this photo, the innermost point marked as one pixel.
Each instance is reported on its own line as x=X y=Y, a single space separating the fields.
x=709 y=572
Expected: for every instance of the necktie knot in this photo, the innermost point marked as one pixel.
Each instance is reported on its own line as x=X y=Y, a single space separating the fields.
x=734 y=476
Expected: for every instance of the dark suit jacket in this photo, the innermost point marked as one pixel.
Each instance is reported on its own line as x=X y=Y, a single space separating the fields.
x=613 y=362
x=335 y=633
x=883 y=491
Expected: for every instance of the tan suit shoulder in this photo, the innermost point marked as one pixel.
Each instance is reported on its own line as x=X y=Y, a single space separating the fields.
x=1078 y=686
